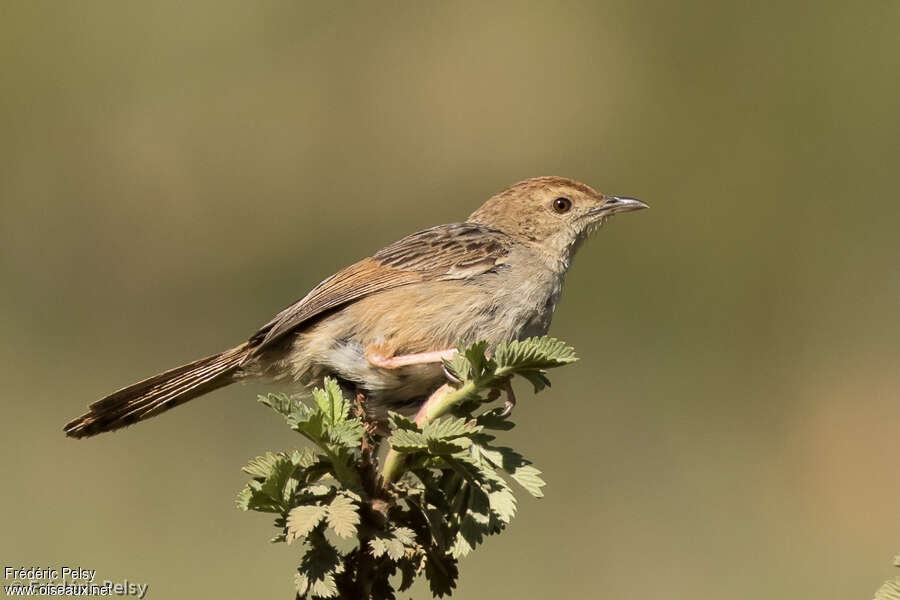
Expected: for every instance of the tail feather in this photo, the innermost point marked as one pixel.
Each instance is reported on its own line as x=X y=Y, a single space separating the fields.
x=159 y=393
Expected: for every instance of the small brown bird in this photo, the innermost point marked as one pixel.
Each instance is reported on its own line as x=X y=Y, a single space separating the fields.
x=382 y=326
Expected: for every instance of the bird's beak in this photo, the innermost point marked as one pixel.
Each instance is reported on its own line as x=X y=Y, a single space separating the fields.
x=616 y=204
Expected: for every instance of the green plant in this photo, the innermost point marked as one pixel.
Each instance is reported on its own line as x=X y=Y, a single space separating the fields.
x=442 y=487
x=891 y=588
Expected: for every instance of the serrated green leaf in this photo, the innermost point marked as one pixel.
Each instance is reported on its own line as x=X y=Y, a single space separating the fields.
x=329 y=424
x=458 y=366
x=343 y=516
x=244 y=497
x=305 y=457
x=532 y=354
x=537 y=379
x=481 y=475
x=378 y=544
x=503 y=504
x=344 y=468
x=449 y=428
x=386 y=544
x=529 y=478
x=518 y=467
x=348 y=434
x=261 y=466
x=395 y=549
x=889 y=591
x=272 y=493
x=451 y=446
x=434 y=516
x=393 y=543
x=398 y=421
x=474 y=471
x=475 y=354
x=301 y=520
x=331 y=402
x=406 y=535
x=281 y=403
x=318 y=490
x=472 y=519
x=352 y=495
x=280 y=484
x=301 y=584
x=319 y=565
x=324 y=587
x=311 y=425
x=471 y=514
x=442 y=572
x=469 y=535
x=409 y=569
x=404 y=440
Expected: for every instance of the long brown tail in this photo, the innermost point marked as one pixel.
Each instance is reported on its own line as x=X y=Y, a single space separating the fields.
x=161 y=392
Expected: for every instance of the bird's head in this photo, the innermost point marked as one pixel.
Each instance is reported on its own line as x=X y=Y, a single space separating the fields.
x=554 y=214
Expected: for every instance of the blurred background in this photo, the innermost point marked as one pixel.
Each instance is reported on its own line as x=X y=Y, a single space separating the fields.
x=172 y=174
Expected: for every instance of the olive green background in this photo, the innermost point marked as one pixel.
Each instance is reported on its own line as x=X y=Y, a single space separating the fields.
x=172 y=174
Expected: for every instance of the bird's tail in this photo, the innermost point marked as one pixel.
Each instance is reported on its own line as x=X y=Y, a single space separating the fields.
x=159 y=393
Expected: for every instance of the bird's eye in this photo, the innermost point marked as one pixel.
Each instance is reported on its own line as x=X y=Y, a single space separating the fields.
x=562 y=205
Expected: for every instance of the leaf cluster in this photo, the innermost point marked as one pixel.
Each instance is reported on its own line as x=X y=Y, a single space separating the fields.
x=528 y=358
x=455 y=491
x=365 y=535
x=891 y=588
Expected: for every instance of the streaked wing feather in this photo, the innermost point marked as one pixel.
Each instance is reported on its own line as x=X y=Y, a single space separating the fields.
x=455 y=251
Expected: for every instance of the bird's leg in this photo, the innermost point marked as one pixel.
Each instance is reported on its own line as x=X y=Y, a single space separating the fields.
x=510 y=402
x=377 y=359
x=510 y=399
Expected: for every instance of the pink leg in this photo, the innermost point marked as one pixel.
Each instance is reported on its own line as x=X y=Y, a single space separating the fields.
x=510 y=400
x=377 y=359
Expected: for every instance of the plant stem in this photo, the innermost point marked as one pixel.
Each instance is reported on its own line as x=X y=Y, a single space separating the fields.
x=441 y=401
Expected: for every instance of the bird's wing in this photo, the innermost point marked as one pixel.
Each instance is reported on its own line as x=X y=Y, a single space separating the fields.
x=456 y=251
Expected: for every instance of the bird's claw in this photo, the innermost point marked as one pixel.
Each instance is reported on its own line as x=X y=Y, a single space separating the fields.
x=510 y=402
x=450 y=376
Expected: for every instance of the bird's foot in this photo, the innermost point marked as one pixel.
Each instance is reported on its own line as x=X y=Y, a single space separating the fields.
x=451 y=377
x=378 y=358
x=510 y=402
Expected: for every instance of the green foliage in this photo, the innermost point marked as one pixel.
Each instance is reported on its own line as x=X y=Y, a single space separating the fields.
x=891 y=588
x=444 y=486
x=528 y=358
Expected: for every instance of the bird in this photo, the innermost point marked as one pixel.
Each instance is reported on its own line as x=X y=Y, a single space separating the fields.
x=382 y=326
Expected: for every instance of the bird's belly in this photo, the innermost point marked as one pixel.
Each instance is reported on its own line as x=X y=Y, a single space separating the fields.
x=385 y=389
x=400 y=389
x=409 y=320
